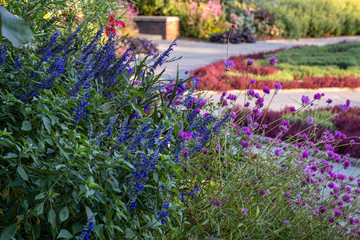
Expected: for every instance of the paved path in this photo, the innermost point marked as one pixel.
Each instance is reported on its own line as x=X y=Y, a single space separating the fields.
x=196 y=54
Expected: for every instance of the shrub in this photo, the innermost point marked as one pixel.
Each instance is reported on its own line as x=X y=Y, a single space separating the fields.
x=85 y=140
x=311 y=18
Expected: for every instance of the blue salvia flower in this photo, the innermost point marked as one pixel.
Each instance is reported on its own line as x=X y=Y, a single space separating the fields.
x=160 y=60
x=88 y=228
x=3 y=52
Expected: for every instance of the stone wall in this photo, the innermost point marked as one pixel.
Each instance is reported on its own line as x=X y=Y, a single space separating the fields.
x=167 y=27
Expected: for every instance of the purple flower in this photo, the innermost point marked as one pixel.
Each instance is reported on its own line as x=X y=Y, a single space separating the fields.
x=186 y=72
x=273 y=60
x=218 y=203
x=228 y=64
x=305 y=154
x=247 y=104
x=309 y=119
x=244 y=144
x=151 y=53
x=346 y=164
x=317 y=96
x=286 y=222
x=346 y=198
x=244 y=211
x=292 y=109
x=329 y=101
x=250 y=62
x=266 y=90
x=305 y=100
x=106 y=154
x=278 y=87
x=252 y=81
x=233 y=26
x=262 y=192
x=278 y=152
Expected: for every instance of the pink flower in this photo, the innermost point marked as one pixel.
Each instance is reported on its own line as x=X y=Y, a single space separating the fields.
x=110 y=26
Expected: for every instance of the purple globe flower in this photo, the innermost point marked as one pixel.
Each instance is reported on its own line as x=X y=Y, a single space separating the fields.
x=250 y=62
x=272 y=60
x=278 y=152
x=305 y=100
x=278 y=87
x=266 y=90
x=317 y=96
x=229 y=64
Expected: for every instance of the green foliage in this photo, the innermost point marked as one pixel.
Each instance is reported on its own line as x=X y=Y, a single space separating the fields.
x=14 y=28
x=300 y=18
x=44 y=16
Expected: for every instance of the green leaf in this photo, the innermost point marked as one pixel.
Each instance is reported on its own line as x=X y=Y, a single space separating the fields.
x=26 y=126
x=47 y=124
x=64 y=214
x=22 y=173
x=129 y=233
x=52 y=217
x=15 y=29
x=64 y=234
x=39 y=209
x=9 y=232
x=156 y=177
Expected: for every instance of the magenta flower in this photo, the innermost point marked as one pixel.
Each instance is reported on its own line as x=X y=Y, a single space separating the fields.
x=186 y=72
x=218 y=203
x=233 y=26
x=250 y=62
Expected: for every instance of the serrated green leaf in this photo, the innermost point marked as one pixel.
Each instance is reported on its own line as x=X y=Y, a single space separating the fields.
x=22 y=173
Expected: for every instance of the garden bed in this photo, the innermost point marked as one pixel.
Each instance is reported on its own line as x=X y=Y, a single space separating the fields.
x=331 y=66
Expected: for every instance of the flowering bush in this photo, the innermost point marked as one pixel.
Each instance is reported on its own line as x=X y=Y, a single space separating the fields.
x=244 y=177
x=200 y=19
x=95 y=146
